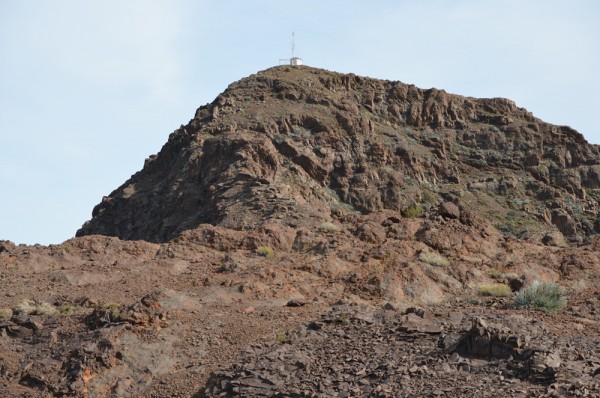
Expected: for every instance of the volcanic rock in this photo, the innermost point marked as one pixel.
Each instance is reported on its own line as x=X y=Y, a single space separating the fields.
x=303 y=146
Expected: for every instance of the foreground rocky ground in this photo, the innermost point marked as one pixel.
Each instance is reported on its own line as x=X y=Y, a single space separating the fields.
x=357 y=351
x=206 y=316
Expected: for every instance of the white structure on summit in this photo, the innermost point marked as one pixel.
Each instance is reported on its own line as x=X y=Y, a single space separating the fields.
x=294 y=61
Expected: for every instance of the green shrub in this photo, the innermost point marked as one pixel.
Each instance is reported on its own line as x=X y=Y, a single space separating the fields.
x=546 y=296
x=429 y=196
x=495 y=290
x=413 y=211
x=265 y=251
x=434 y=258
x=66 y=308
x=329 y=228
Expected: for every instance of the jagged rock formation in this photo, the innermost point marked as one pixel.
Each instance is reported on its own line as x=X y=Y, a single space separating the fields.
x=299 y=146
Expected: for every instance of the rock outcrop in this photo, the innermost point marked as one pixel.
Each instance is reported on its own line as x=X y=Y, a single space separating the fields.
x=301 y=146
x=417 y=353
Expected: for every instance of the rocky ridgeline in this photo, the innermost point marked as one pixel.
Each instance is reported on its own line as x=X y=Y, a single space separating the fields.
x=300 y=146
x=356 y=352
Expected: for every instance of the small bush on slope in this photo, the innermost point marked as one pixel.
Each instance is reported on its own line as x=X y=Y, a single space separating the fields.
x=265 y=251
x=547 y=296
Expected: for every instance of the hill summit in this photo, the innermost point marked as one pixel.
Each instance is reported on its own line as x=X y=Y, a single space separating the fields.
x=302 y=146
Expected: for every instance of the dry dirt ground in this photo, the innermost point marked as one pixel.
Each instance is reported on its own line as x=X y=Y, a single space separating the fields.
x=100 y=317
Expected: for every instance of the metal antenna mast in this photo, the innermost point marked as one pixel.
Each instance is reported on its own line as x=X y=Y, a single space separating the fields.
x=294 y=61
x=293 y=44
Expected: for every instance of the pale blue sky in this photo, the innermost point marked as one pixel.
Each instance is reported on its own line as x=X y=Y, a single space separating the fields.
x=89 y=89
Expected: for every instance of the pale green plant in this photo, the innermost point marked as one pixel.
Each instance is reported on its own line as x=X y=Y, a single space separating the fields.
x=495 y=290
x=434 y=258
x=6 y=313
x=31 y=307
x=265 y=251
x=329 y=228
x=546 y=296
x=413 y=211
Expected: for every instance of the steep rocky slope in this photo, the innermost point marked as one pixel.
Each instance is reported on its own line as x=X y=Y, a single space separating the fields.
x=299 y=146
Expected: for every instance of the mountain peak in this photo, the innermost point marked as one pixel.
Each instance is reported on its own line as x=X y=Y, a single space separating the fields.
x=295 y=147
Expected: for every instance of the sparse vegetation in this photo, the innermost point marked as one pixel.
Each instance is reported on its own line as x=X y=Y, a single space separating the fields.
x=495 y=274
x=113 y=311
x=66 y=308
x=413 y=211
x=546 y=296
x=429 y=196
x=281 y=339
x=511 y=276
x=433 y=258
x=31 y=307
x=495 y=290
x=265 y=251
x=471 y=300
x=5 y=313
x=344 y=319
x=329 y=228
x=501 y=276
x=227 y=265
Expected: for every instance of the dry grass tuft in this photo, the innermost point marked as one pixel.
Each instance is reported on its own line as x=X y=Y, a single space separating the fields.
x=265 y=251
x=329 y=228
x=495 y=290
x=434 y=258
x=31 y=307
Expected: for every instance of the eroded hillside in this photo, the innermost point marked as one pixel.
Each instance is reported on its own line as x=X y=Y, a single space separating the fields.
x=300 y=146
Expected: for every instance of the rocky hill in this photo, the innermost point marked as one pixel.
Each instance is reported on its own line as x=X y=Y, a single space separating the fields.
x=301 y=146
x=313 y=234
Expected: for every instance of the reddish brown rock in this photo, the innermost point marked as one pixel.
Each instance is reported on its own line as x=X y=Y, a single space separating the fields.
x=449 y=210
x=320 y=144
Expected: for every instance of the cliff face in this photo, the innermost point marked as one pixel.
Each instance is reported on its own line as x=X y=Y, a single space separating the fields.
x=299 y=146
